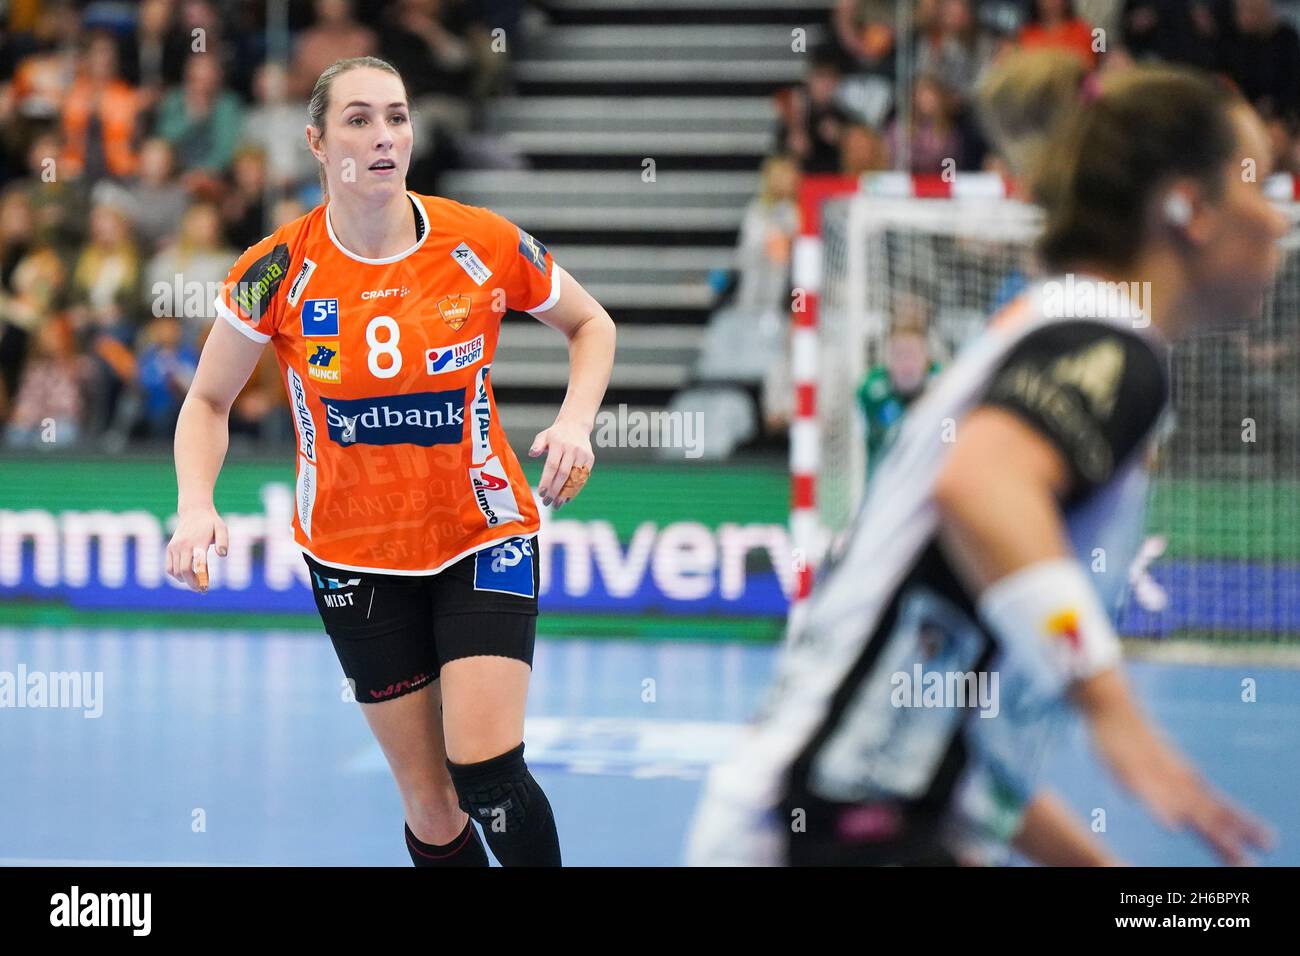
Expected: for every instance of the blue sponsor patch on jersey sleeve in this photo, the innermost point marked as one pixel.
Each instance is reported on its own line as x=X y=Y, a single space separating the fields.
x=320 y=317
x=506 y=568
x=533 y=251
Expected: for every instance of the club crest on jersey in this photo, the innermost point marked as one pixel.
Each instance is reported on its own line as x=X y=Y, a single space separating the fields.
x=471 y=263
x=454 y=310
x=323 y=362
x=453 y=357
x=320 y=318
x=506 y=568
x=421 y=418
x=533 y=251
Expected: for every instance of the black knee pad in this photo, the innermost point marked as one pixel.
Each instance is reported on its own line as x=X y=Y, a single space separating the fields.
x=497 y=792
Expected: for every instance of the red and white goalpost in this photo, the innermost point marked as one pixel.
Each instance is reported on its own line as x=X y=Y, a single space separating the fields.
x=954 y=248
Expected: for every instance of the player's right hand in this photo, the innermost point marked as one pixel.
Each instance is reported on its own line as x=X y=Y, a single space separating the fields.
x=187 y=554
x=1175 y=792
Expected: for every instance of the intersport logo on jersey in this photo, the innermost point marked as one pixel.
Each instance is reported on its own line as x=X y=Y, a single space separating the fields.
x=422 y=418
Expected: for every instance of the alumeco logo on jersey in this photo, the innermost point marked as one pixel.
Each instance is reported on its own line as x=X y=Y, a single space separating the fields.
x=493 y=494
x=261 y=280
x=422 y=418
x=453 y=357
x=480 y=413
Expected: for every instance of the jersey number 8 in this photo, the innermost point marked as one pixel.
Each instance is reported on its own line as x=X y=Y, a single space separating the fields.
x=388 y=346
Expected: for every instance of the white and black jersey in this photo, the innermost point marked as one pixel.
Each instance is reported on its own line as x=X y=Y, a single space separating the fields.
x=839 y=767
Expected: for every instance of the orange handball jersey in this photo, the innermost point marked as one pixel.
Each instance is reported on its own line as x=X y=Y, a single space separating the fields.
x=403 y=466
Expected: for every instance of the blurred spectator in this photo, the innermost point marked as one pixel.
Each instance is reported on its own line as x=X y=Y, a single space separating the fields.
x=202 y=121
x=422 y=47
x=934 y=142
x=243 y=209
x=99 y=116
x=42 y=76
x=105 y=308
x=862 y=150
x=1262 y=56
x=1053 y=24
x=154 y=55
x=155 y=199
x=1177 y=31
x=813 y=120
x=864 y=31
x=286 y=211
x=17 y=317
x=198 y=260
x=165 y=366
x=336 y=35
x=49 y=406
x=261 y=410
x=58 y=202
x=277 y=125
x=767 y=234
x=952 y=48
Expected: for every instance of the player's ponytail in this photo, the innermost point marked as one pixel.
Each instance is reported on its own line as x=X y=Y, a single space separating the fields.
x=319 y=103
x=1097 y=176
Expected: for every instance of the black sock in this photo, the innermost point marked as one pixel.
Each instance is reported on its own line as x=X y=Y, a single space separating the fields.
x=512 y=809
x=465 y=850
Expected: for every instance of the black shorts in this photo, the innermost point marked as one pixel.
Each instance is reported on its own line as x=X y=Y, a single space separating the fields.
x=393 y=632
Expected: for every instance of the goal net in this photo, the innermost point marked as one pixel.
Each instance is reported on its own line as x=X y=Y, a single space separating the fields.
x=1222 y=559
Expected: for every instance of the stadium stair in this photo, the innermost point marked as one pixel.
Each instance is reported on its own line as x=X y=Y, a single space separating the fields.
x=606 y=85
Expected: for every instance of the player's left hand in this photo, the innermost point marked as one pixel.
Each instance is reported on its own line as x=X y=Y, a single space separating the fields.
x=568 y=462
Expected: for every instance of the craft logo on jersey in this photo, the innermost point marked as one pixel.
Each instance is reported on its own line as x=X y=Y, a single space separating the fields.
x=323 y=362
x=533 y=251
x=320 y=318
x=259 y=282
x=421 y=418
x=453 y=357
x=454 y=310
x=471 y=263
x=493 y=494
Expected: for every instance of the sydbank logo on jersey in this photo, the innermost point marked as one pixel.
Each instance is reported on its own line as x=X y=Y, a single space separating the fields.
x=493 y=494
x=454 y=357
x=422 y=418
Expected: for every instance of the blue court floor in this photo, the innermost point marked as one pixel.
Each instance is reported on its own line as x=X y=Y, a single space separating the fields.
x=228 y=747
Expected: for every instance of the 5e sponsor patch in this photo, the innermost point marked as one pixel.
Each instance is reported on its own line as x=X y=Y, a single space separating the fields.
x=320 y=318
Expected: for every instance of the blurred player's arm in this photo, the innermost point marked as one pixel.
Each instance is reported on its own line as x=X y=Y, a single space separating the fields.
x=1050 y=835
x=999 y=496
x=202 y=437
x=590 y=331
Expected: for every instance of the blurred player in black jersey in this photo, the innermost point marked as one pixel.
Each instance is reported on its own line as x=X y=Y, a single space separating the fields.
x=959 y=619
